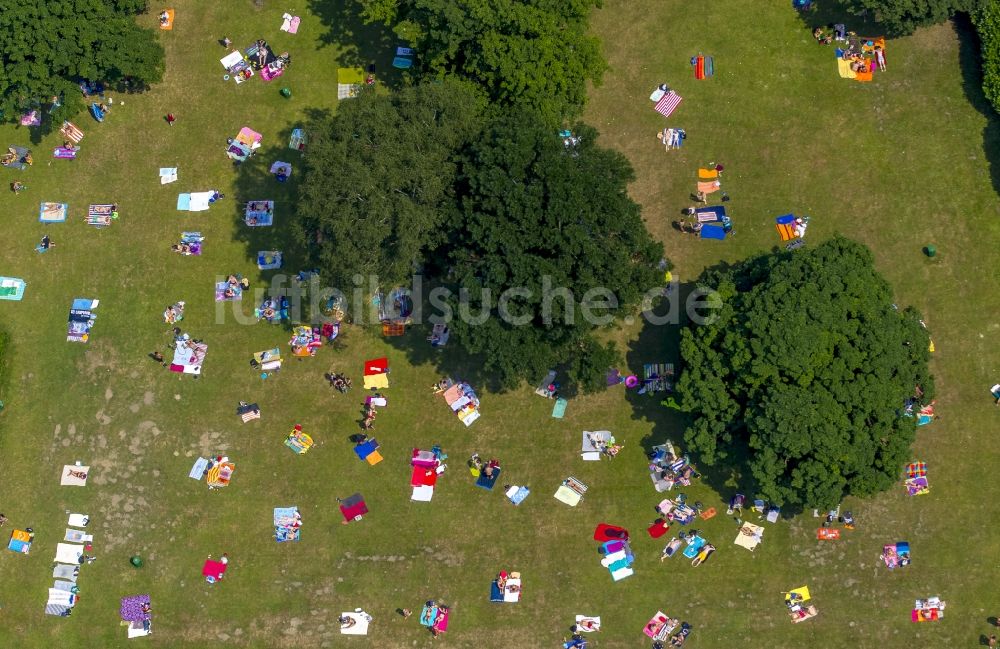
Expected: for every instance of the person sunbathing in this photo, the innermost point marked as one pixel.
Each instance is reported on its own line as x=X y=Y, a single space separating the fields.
x=346 y=621
x=229 y=292
x=164 y=17
x=268 y=313
x=502 y=579
x=17 y=186
x=82 y=475
x=233 y=281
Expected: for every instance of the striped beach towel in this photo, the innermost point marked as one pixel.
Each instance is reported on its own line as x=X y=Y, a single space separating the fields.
x=71 y=132
x=250 y=415
x=667 y=103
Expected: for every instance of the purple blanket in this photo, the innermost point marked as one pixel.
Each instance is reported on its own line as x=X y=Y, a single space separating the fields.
x=132 y=608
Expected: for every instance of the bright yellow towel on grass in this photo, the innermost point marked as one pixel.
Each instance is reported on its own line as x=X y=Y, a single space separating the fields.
x=844 y=68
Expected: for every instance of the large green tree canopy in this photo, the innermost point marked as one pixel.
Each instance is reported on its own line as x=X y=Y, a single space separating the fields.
x=900 y=17
x=47 y=47
x=537 y=215
x=804 y=373
x=379 y=180
x=533 y=52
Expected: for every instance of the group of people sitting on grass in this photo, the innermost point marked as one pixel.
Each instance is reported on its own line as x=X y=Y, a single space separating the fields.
x=341 y=382
x=234 y=282
x=368 y=423
x=174 y=313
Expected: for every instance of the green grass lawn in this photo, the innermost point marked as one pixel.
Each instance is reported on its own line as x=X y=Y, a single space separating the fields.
x=905 y=161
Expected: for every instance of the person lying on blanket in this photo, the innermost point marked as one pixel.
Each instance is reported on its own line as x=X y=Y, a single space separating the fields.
x=164 y=17
x=81 y=475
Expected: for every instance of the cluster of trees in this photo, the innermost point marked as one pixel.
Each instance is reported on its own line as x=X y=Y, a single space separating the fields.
x=536 y=53
x=48 y=47
x=901 y=17
x=803 y=374
x=986 y=18
x=484 y=200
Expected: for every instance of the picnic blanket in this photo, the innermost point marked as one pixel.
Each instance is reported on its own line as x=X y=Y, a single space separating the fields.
x=77 y=536
x=422 y=493
x=282 y=166
x=78 y=520
x=65 y=571
x=71 y=132
x=559 y=408
x=213 y=570
x=361 y=620
x=131 y=608
x=268 y=259
x=592 y=444
x=844 y=68
x=220 y=474
x=571 y=491
x=248 y=412
x=349 y=82
x=516 y=494
x=659 y=626
x=749 y=536
x=188 y=357
x=299 y=441
x=916 y=479
x=52 y=212
x=290 y=24
x=220 y=292
x=376 y=374
x=168 y=175
x=259 y=213
x=169 y=23
x=65 y=153
x=297 y=141
x=68 y=553
x=668 y=103
x=353 y=507
x=12 y=288
x=74 y=476
x=31 y=118
x=287 y=524
x=195 y=201
x=197 y=471
x=709 y=186
x=100 y=215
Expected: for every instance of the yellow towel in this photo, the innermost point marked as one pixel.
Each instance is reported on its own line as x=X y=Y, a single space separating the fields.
x=844 y=68
x=708 y=174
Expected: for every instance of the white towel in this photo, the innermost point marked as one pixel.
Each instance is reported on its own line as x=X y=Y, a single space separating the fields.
x=423 y=493
x=78 y=520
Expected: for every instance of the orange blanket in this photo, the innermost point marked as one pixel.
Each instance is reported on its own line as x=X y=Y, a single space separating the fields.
x=170 y=20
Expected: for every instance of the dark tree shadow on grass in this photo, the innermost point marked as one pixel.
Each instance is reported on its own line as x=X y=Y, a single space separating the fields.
x=660 y=343
x=827 y=13
x=254 y=182
x=970 y=62
x=362 y=44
